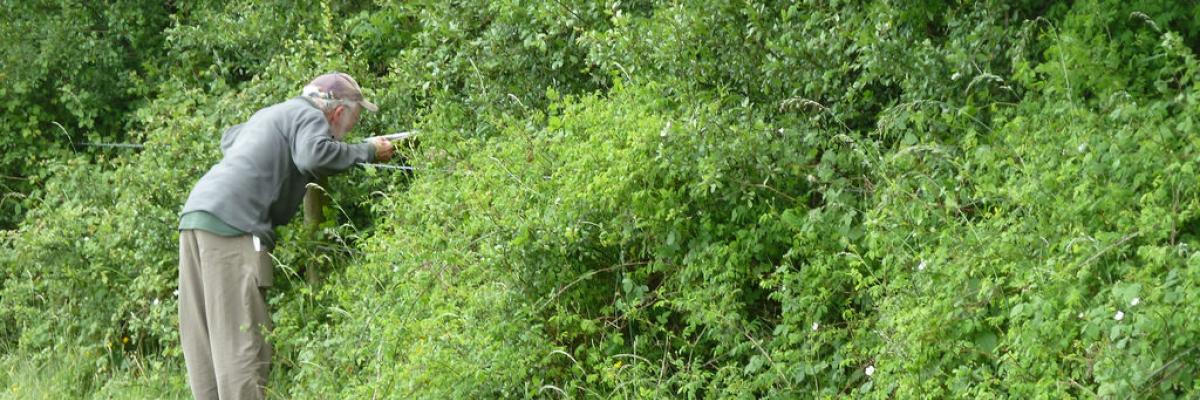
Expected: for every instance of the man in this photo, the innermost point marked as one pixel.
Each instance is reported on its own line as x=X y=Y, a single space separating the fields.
x=227 y=228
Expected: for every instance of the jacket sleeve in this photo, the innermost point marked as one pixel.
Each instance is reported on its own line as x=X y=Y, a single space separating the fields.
x=229 y=137
x=317 y=154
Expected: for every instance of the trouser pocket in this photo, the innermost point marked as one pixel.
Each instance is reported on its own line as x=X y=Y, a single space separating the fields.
x=261 y=262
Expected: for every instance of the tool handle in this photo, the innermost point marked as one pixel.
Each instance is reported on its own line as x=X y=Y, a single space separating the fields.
x=392 y=137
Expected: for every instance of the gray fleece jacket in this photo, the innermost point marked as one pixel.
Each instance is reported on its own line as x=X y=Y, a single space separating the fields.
x=260 y=182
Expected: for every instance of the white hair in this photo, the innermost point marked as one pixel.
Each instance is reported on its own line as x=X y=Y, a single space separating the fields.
x=324 y=100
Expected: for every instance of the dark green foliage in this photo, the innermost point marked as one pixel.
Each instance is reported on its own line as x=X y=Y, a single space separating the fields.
x=692 y=199
x=72 y=71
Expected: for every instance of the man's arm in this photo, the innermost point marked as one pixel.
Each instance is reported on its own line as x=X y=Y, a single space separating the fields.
x=316 y=154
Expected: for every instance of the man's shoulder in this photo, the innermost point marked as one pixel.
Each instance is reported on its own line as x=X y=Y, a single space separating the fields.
x=286 y=115
x=293 y=106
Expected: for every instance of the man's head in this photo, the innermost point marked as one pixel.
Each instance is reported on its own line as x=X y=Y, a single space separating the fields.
x=341 y=99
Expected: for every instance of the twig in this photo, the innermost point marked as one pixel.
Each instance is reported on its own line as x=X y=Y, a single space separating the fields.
x=114 y=145
x=1083 y=388
x=1168 y=364
x=1110 y=247
x=772 y=189
x=587 y=275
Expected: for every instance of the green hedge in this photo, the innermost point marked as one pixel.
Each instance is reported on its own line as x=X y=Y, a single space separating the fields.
x=660 y=199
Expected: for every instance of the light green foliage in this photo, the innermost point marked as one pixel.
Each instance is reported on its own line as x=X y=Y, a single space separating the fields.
x=690 y=199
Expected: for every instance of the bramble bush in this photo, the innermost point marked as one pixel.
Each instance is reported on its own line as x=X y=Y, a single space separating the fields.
x=690 y=199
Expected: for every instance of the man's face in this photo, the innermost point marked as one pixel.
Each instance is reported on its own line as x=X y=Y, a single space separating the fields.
x=344 y=119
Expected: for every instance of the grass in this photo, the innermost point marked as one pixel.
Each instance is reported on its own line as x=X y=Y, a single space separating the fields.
x=71 y=373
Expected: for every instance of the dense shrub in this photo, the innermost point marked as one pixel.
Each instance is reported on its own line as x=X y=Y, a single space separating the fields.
x=700 y=199
x=73 y=71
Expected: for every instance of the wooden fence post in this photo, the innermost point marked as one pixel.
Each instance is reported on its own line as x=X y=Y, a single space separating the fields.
x=315 y=200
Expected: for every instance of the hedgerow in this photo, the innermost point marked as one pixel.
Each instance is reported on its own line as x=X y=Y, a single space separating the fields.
x=690 y=199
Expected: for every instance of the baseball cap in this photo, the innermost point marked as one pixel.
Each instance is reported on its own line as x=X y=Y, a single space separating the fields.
x=338 y=86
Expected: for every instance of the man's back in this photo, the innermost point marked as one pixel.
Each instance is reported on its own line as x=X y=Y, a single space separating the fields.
x=259 y=184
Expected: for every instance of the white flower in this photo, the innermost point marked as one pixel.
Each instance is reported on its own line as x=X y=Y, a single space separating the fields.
x=1080 y=315
x=176 y=292
x=955 y=76
x=921 y=266
x=1135 y=301
x=816 y=325
x=1120 y=315
x=870 y=370
x=155 y=302
x=1082 y=147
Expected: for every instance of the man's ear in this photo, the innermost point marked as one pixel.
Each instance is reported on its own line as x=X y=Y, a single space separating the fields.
x=337 y=113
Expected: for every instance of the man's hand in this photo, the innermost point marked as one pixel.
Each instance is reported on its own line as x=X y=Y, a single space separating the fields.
x=383 y=149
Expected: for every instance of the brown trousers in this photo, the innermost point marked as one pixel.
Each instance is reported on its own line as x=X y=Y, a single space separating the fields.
x=223 y=315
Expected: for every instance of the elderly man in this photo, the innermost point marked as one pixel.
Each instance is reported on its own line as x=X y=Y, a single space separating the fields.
x=227 y=228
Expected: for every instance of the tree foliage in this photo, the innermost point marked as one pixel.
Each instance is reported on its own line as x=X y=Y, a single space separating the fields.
x=698 y=199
